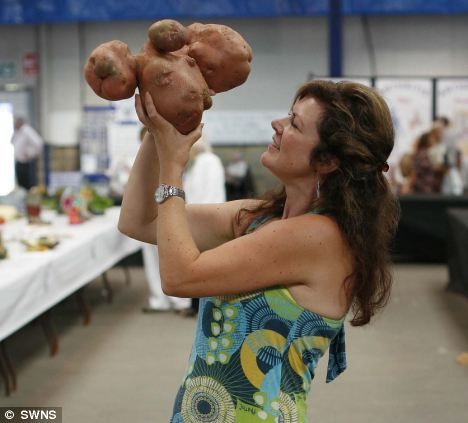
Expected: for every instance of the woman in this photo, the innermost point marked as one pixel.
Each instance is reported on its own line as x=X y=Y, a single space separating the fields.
x=278 y=275
x=425 y=179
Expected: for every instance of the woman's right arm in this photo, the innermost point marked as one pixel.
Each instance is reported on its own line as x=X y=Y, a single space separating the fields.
x=211 y=224
x=139 y=210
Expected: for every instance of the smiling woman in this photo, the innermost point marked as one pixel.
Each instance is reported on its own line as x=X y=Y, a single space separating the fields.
x=277 y=275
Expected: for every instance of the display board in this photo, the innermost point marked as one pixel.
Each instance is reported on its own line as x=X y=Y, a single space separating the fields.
x=452 y=102
x=410 y=102
x=94 y=156
x=123 y=133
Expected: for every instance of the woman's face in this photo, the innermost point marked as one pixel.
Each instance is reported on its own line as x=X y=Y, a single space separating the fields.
x=288 y=156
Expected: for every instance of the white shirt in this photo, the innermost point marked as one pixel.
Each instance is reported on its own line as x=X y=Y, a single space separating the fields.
x=204 y=180
x=28 y=144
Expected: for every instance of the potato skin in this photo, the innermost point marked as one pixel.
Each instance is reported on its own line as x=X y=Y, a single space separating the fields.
x=180 y=67
x=167 y=35
x=111 y=71
x=176 y=85
x=221 y=53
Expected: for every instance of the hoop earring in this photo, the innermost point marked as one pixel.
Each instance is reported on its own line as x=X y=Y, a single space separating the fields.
x=317 y=187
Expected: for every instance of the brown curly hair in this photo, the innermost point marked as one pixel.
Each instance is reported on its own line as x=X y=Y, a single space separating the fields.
x=356 y=128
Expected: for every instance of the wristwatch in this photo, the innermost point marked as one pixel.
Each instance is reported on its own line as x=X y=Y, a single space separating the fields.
x=165 y=191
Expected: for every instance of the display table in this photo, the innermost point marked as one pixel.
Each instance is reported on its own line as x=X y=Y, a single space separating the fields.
x=458 y=250
x=423 y=229
x=33 y=282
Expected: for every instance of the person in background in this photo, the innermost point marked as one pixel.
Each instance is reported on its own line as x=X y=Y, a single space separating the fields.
x=277 y=275
x=407 y=172
x=239 y=180
x=452 y=183
x=27 y=145
x=425 y=178
x=438 y=149
x=204 y=183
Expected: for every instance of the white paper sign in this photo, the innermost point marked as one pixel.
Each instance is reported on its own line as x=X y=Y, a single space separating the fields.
x=122 y=142
x=240 y=126
x=360 y=80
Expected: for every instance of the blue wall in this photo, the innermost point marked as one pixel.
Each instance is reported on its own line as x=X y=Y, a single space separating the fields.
x=40 y=11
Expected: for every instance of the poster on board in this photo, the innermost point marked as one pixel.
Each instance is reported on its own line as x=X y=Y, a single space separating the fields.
x=452 y=102
x=410 y=103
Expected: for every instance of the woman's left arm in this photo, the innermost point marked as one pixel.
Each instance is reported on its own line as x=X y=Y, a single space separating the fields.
x=281 y=253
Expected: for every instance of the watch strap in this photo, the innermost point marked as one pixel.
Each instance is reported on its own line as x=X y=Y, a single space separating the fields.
x=171 y=191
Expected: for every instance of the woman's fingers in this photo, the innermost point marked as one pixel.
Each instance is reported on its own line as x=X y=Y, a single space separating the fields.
x=151 y=109
x=196 y=134
x=140 y=110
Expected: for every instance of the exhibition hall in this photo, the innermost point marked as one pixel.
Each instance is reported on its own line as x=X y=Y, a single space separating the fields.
x=234 y=211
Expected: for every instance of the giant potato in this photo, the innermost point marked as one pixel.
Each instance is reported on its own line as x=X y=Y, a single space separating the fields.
x=180 y=67
x=111 y=71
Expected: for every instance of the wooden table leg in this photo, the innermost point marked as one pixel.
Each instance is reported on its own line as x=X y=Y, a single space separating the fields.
x=9 y=366
x=84 y=306
x=126 y=270
x=4 y=372
x=107 y=288
x=50 y=332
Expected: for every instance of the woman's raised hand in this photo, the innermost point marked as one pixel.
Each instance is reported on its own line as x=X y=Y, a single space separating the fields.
x=173 y=147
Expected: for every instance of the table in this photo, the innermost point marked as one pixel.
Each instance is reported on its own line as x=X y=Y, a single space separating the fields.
x=423 y=229
x=33 y=282
x=458 y=250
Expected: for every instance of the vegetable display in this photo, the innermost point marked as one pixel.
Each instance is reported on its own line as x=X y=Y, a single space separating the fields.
x=181 y=67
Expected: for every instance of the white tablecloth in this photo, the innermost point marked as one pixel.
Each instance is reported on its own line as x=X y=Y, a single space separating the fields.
x=32 y=282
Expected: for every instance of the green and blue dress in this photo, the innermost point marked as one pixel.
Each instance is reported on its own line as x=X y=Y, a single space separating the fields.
x=254 y=358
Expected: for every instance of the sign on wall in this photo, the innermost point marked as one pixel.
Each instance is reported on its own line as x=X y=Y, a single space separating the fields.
x=360 y=80
x=7 y=69
x=240 y=127
x=410 y=103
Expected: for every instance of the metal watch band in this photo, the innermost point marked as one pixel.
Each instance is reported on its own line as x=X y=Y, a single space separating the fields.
x=166 y=191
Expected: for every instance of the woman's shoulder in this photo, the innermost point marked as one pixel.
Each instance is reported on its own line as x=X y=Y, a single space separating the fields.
x=316 y=231
x=317 y=224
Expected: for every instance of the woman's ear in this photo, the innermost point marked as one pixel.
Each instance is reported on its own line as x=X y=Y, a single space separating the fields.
x=328 y=164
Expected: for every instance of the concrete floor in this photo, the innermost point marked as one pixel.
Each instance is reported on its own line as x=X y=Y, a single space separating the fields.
x=126 y=366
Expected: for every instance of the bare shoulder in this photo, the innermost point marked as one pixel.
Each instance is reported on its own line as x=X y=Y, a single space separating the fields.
x=311 y=229
x=328 y=264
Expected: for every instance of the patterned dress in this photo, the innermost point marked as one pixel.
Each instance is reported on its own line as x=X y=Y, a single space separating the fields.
x=254 y=358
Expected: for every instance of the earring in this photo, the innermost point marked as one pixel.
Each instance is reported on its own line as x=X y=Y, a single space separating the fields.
x=317 y=187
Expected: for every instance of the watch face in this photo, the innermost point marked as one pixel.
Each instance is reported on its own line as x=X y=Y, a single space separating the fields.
x=160 y=194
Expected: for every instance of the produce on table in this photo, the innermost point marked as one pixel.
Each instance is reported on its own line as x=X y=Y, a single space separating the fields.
x=42 y=243
x=181 y=67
